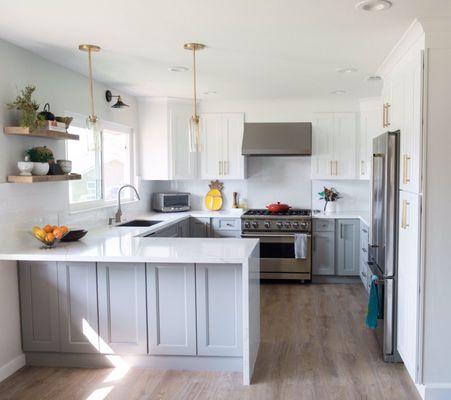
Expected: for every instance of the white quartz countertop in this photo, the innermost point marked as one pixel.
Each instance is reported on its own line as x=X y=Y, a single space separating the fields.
x=364 y=216
x=127 y=244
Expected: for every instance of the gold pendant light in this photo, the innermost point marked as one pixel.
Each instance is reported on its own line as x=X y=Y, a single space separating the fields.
x=194 y=129
x=90 y=48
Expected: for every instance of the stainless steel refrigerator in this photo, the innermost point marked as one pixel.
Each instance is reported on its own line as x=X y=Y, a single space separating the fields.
x=383 y=254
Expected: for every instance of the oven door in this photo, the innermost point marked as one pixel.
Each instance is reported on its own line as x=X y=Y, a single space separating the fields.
x=277 y=256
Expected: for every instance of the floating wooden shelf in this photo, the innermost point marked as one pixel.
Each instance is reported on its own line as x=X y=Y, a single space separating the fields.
x=45 y=133
x=45 y=178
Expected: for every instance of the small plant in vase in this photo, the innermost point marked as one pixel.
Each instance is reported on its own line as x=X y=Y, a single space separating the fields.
x=41 y=158
x=329 y=196
x=26 y=106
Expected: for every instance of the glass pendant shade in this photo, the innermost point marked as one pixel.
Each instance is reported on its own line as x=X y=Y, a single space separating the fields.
x=94 y=130
x=194 y=134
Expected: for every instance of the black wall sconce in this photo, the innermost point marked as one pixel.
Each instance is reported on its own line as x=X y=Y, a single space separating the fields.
x=119 y=103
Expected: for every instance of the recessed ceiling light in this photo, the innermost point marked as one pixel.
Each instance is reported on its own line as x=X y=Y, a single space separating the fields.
x=373 y=78
x=210 y=92
x=346 y=70
x=374 y=5
x=338 y=92
x=177 y=68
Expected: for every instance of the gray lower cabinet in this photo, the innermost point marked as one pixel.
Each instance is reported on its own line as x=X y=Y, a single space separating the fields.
x=39 y=305
x=323 y=258
x=219 y=310
x=77 y=287
x=122 y=308
x=183 y=228
x=170 y=231
x=199 y=227
x=171 y=309
x=348 y=247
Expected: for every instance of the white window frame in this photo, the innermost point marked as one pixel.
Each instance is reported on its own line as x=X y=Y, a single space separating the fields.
x=79 y=120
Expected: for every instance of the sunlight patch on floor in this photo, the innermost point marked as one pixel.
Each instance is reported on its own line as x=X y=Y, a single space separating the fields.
x=120 y=367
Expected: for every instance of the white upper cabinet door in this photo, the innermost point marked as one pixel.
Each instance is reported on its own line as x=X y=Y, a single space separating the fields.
x=232 y=142
x=370 y=127
x=323 y=128
x=164 y=140
x=408 y=280
x=411 y=132
x=184 y=162
x=395 y=114
x=345 y=146
x=222 y=138
x=212 y=166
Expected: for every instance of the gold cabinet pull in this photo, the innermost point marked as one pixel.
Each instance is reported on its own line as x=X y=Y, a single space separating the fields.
x=362 y=167
x=384 y=108
x=220 y=168
x=404 y=224
x=405 y=169
x=226 y=167
x=331 y=172
x=336 y=168
x=387 y=119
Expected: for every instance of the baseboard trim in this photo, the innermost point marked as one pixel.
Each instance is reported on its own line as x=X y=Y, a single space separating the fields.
x=437 y=392
x=14 y=365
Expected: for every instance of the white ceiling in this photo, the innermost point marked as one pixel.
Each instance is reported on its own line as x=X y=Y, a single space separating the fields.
x=256 y=48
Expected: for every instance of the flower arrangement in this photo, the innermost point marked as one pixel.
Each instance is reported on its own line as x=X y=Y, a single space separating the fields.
x=329 y=195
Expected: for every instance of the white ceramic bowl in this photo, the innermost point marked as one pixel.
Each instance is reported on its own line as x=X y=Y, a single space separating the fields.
x=65 y=165
x=40 y=168
x=25 y=167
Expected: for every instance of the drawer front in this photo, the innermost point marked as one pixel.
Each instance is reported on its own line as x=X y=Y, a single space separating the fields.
x=226 y=224
x=323 y=225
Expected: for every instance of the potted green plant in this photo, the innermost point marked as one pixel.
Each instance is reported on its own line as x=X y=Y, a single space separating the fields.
x=41 y=157
x=330 y=196
x=26 y=106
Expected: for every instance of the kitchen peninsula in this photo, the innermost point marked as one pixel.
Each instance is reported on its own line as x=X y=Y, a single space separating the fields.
x=164 y=302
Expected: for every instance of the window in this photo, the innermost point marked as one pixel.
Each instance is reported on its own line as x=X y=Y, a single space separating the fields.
x=104 y=160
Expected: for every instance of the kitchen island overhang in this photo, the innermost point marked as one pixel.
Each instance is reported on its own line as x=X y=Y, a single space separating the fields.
x=76 y=308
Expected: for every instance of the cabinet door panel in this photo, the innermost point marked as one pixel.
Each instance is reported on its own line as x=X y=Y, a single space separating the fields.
x=199 y=227
x=212 y=164
x=324 y=253
x=348 y=247
x=184 y=162
x=219 y=310
x=232 y=141
x=122 y=308
x=77 y=287
x=39 y=305
x=408 y=280
x=345 y=146
x=171 y=309
x=322 y=145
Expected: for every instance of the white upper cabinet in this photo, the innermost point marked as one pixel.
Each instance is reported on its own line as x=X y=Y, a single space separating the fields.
x=221 y=139
x=370 y=127
x=164 y=140
x=402 y=102
x=334 y=146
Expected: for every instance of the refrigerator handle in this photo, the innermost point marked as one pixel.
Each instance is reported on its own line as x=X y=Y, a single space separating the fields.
x=373 y=209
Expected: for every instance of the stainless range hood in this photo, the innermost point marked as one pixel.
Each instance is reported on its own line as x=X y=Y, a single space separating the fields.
x=277 y=139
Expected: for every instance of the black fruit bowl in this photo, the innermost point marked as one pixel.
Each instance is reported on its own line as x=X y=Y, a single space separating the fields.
x=73 y=236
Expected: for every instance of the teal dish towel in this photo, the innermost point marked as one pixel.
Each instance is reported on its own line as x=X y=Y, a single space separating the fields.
x=373 y=305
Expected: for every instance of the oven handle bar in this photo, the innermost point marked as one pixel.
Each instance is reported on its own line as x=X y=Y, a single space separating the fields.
x=265 y=235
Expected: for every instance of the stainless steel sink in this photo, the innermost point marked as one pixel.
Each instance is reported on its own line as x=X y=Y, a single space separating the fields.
x=139 y=222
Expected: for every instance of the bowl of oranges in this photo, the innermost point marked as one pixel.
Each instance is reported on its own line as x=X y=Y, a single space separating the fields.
x=49 y=235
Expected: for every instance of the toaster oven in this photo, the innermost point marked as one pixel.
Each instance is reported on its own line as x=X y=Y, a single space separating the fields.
x=171 y=202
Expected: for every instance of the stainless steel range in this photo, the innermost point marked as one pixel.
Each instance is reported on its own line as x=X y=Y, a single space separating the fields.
x=276 y=232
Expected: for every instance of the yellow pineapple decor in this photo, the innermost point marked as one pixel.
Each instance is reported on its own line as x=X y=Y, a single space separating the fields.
x=213 y=199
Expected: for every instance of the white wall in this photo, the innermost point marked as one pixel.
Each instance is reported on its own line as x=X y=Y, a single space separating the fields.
x=65 y=91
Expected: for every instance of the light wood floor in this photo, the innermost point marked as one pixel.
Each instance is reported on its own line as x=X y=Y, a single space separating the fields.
x=314 y=346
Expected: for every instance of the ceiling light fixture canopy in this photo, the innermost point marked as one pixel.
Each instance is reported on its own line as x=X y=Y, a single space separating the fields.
x=374 y=5
x=347 y=70
x=119 y=103
x=194 y=128
x=338 y=92
x=90 y=48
